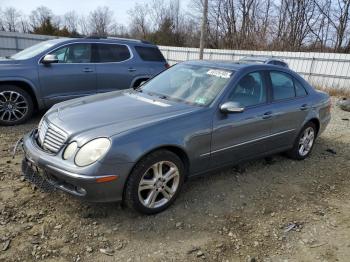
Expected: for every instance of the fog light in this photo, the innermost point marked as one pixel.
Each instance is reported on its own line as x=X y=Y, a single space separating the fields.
x=80 y=190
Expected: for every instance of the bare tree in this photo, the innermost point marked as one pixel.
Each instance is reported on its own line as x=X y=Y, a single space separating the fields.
x=71 y=21
x=139 y=24
x=83 y=25
x=100 y=21
x=39 y=16
x=11 y=19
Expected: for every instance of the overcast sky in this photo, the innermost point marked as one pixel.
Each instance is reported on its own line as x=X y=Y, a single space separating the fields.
x=59 y=7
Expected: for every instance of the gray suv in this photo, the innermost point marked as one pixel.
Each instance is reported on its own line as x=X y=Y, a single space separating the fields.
x=62 y=69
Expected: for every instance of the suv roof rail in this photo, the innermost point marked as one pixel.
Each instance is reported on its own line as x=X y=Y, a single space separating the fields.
x=117 y=38
x=95 y=37
x=129 y=39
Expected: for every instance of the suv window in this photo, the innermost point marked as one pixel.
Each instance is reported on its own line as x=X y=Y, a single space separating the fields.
x=75 y=53
x=250 y=90
x=112 y=53
x=282 y=86
x=150 y=53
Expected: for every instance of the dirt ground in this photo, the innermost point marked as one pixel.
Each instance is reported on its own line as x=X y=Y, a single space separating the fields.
x=264 y=210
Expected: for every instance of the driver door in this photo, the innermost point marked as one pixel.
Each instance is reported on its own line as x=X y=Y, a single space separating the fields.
x=239 y=136
x=73 y=76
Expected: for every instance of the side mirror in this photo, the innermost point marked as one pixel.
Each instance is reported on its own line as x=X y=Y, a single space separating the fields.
x=231 y=107
x=49 y=59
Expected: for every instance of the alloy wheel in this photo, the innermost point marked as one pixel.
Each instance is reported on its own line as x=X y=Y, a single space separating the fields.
x=13 y=106
x=159 y=184
x=306 y=141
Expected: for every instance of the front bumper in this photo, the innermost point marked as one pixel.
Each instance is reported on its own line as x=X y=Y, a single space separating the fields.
x=48 y=170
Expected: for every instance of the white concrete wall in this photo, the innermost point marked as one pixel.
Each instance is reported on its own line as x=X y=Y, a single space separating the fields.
x=322 y=69
x=12 y=42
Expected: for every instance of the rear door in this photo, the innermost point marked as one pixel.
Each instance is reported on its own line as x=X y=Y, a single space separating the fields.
x=239 y=136
x=114 y=66
x=73 y=76
x=290 y=107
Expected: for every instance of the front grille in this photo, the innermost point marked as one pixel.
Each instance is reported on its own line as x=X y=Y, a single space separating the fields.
x=50 y=137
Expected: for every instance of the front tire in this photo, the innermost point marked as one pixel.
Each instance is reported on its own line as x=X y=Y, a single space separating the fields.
x=16 y=105
x=304 y=142
x=155 y=182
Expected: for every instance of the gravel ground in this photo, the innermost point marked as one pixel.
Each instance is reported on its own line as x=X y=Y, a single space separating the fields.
x=265 y=210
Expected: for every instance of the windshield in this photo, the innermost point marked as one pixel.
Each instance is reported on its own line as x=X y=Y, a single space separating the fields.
x=34 y=50
x=189 y=83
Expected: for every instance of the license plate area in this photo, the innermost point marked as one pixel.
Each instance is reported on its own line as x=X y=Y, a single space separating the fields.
x=36 y=175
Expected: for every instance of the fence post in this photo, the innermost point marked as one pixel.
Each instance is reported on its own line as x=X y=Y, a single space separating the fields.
x=311 y=68
x=188 y=55
x=16 y=43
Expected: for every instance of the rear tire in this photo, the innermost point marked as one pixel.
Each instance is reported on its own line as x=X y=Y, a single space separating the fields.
x=16 y=105
x=155 y=182
x=304 y=142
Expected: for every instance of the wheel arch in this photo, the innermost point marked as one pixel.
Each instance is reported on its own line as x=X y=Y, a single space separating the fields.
x=177 y=150
x=316 y=122
x=139 y=79
x=26 y=86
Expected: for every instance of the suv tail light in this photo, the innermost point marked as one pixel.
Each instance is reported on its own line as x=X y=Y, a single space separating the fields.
x=167 y=65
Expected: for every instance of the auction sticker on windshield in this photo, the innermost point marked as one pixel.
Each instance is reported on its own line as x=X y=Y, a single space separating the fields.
x=219 y=73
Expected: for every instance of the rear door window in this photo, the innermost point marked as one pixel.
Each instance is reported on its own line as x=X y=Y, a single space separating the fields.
x=107 y=53
x=150 y=53
x=282 y=85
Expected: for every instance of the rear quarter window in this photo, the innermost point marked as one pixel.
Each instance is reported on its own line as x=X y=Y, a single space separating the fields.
x=150 y=53
x=299 y=89
x=112 y=53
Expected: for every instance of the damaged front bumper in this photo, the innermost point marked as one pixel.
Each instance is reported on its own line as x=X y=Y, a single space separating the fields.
x=51 y=172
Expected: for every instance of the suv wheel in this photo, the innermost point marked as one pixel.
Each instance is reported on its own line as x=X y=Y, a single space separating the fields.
x=155 y=182
x=16 y=105
x=304 y=142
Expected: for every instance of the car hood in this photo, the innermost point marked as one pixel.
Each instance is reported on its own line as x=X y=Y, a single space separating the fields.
x=8 y=66
x=111 y=113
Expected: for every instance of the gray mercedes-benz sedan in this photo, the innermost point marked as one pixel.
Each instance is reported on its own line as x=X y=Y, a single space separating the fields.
x=140 y=145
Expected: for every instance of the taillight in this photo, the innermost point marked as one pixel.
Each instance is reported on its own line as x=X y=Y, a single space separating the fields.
x=167 y=65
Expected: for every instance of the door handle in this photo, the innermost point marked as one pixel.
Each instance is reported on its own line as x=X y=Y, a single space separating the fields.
x=304 y=107
x=267 y=115
x=131 y=69
x=88 y=70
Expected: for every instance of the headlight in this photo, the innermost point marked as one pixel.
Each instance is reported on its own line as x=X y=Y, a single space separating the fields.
x=70 y=150
x=92 y=151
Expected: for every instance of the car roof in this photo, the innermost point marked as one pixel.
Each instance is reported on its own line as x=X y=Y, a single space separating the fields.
x=228 y=65
x=262 y=59
x=236 y=66
x=109 y=40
